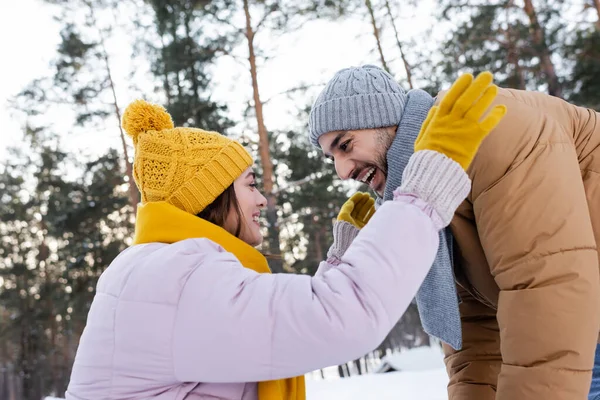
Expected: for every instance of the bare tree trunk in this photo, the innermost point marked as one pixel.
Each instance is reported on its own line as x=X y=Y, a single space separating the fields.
x=407 y=67
x=6 y=387
x=343 y=371
x=66 y=357
x=54 y=351
x=376 y=34
x=358 y=366
x=42 y=256
x=263 y=148
x=193 y=75
x=4 y=357
x=28 y=349
x=166 y=84
x=177 y=79
x=513 y=53
x=539 y=40
x=133 y=192
x=54 y=370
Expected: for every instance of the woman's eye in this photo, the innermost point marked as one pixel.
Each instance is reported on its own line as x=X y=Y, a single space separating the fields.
x=253 y=185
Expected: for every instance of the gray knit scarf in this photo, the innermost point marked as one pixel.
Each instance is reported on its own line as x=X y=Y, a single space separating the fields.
x=437 y=299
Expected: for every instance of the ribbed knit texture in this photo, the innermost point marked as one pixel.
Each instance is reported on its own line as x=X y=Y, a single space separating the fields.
x=186 y=167
x=437 y=298
x=344 y=234
x=438 y=180
x=357 y=98
x=368 y=98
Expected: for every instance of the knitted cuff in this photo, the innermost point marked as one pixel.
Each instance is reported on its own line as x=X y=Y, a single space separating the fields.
x=438 y=180
x=343 y=235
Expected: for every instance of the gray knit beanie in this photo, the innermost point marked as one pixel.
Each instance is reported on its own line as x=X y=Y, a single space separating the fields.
x=364 y=97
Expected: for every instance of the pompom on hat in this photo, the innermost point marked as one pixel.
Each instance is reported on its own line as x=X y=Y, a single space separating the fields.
x=186 y=167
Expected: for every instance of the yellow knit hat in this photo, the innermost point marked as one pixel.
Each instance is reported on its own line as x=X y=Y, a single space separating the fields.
x=186 y=167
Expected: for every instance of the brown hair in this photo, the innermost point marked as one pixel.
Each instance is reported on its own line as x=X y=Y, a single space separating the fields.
x=217 y=211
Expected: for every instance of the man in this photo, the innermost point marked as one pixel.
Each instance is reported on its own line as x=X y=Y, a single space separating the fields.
x=526 y=319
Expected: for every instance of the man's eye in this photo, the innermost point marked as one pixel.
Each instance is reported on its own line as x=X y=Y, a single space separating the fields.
x=344 y=146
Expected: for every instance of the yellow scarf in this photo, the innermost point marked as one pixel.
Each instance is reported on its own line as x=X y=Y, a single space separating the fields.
x=165 y=223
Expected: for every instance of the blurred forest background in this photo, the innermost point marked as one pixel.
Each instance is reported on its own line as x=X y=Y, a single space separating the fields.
x=67 y=202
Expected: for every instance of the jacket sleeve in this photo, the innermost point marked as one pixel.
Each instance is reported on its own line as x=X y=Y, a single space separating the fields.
x=234 y=325
x=474 y=370
x=534 y=226
x=324 y=266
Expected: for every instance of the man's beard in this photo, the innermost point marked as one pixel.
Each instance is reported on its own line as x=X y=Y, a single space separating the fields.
x=384 y=141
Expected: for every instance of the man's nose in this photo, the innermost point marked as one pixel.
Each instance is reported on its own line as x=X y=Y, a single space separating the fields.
x=343 y=168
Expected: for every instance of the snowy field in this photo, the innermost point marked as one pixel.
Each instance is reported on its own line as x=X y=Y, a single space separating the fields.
x=419 y=374
x=417 y=385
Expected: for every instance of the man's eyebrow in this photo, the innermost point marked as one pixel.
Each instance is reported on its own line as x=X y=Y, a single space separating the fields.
x=335 y=142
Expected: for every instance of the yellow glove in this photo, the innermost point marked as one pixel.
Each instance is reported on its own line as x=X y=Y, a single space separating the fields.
x=357 y=210
x=454 y=128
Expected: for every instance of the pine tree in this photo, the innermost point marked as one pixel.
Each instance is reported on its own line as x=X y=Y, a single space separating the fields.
x=59 y=239
x=512 y=40
x=275 y=17
x=83 y=77
x=582 y=84
x=181 y=54
x=310 y=200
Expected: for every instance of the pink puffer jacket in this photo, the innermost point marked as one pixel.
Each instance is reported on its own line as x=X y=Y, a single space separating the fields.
x=187 y=320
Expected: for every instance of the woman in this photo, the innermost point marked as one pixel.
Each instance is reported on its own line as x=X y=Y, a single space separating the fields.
x=191 y=311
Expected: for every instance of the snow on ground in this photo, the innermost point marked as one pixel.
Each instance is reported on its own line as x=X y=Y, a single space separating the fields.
x=420 y=376
x=417 y=385
x=417 y=359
